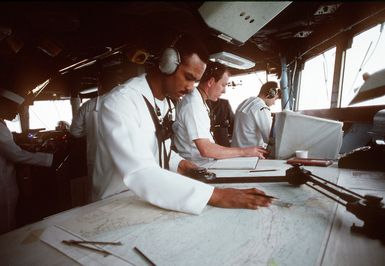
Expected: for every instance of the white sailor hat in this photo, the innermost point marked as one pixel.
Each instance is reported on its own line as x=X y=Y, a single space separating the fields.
x=11 y=96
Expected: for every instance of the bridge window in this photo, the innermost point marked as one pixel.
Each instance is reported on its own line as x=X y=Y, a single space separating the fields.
x=46 y=114
x=366 y=55
x=244 y=86
x=14 y=125
x=316 y=81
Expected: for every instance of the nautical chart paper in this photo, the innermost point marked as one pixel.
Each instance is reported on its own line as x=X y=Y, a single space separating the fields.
x=242 y=163
x=275 y=235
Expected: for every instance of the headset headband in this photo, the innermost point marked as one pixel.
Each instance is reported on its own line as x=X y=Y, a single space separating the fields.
x=11 y=96
x=175 y=40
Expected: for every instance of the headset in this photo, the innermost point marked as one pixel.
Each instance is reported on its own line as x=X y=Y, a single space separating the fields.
x=170 y=59
x=272 y=93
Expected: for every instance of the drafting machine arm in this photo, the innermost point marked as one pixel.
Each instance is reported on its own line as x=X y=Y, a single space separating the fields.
x=370 y=209
x=367 y=208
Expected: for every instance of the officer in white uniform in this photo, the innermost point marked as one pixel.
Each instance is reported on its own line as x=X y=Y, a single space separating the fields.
x=253 y=120
x=11 y=153
x=193 y=138
x=85 y=122
x=128 y=153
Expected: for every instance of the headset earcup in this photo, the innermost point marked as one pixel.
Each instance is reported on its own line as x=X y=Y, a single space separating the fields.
x=169 y=61
x=271 y=94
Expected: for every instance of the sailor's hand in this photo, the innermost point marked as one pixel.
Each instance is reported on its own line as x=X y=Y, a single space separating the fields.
x=185 y=166
x=255 y=151
x=250 y=198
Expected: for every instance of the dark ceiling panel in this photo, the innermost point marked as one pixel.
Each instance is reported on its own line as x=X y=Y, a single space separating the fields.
x=38 y=39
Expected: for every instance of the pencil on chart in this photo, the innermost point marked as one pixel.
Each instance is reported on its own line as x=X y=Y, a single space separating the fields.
x=82 y=245
x=263 y=170
x=144 y=256
x=276 y=201
x=266 y=196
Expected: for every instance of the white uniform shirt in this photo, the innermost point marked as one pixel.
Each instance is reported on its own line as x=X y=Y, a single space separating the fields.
x=11 y=153
x=192 y=122
x=127 y=153
x=85 y=124
x=252 y=123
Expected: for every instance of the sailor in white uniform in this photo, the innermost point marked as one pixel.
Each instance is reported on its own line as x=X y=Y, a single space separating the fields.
x=85 y=122
x=253 y=120
x=128 y=152
x=192 y=126
x=11 y=153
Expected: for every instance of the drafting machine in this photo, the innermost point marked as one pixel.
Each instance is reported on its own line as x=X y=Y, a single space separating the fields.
x=370 y=209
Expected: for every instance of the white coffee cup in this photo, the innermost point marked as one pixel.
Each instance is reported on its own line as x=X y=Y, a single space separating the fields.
x=301 y=154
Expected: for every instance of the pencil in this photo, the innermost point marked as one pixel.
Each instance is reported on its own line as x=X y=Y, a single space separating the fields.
x=80 y=245
x=266 y=196
x=144 y=256
x=267 y=170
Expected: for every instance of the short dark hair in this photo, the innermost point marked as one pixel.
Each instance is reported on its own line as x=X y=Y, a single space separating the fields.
x=267 y=87
x=188 y=44
x=110 y=78
x=214 y=70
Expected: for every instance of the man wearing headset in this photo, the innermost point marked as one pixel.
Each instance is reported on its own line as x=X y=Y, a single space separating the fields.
x=128 y=153
x=253 y=120
x=193 y=138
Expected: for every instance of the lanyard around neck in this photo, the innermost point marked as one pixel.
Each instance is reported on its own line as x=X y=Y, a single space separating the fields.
x=204 y=102
x=159 y=136
x=207 y=109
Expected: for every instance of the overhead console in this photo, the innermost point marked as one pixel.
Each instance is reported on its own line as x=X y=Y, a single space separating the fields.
x=236 y=22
